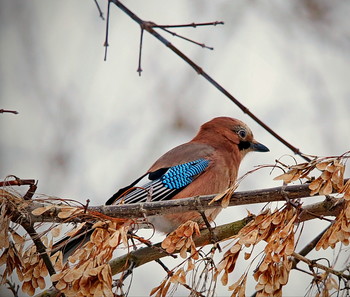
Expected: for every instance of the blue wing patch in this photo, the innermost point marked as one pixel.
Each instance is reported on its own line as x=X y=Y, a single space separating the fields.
x=182 y=175
x=167 y=184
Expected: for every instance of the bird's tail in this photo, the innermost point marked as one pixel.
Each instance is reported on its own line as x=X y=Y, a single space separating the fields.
x=69 y=244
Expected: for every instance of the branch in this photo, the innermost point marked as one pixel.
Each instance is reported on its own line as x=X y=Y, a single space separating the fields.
x=194 y=25
x=308 y=248
x=200 y=203
x=148 y=26
x=320 y=266
x=147 y=254
x=8 y=111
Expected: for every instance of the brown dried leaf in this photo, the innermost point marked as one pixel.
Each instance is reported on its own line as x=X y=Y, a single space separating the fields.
x=327 y=188
x=289 y=248
x=61 y=285
x=323 y=165
x=3 y=257
x=40 y=210
x=183 y=252
x=235 y=248
x=166 y=242
x=326 y=175
x=182 y=277
x=315 y=184
x=247 y=256
x=156 y=289
x=190 y=265
x=235 y=285
x=28 y=288
x=41 y=283
x=114 y=239
x=67 y=212
x=188 y=231
x=218 y=197
x=290 y=176
x=56 y=231
x=17 y=238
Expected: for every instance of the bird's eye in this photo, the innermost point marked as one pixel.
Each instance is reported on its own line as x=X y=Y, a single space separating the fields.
x=242 y=133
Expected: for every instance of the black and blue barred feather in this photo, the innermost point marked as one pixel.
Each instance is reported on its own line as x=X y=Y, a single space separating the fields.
x=182 y=175
x=164 y=183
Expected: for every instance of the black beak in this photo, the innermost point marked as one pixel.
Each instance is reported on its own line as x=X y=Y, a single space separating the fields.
x=258 y=147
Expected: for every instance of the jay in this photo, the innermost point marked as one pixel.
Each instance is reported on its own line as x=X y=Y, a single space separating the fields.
x=208 y=164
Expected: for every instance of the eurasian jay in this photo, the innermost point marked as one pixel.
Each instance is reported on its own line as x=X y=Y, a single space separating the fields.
x=208 y=164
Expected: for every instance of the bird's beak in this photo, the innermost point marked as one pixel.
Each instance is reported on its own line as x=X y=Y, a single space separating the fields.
x=258 y=147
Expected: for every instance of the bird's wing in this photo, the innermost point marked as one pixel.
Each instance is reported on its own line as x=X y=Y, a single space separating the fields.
x=162 y=184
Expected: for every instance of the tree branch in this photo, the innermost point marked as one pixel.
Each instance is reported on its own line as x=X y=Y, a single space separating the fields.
x=148 y=26
x=141 y=210
x=147 y=254
x=320 y=266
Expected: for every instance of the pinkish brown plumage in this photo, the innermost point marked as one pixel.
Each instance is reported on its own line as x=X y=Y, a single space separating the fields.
x=218 y=149
x=208 y=164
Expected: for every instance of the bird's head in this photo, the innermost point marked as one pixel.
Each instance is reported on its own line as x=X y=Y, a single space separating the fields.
x=231 y=131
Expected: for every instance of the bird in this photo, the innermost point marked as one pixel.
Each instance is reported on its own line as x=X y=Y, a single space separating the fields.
x=207 y=164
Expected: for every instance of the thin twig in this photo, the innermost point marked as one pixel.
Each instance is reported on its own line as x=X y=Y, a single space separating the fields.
x=99 y=10
x=13 y=288
x=200 y=71
x=308 y=248
x=107 y=30
x=187 y=39
x=31 y=191
x=320 y=266
x=41 y=249
x=194 y=25
x=139 y=68
x=8 y=111
x=16 y=182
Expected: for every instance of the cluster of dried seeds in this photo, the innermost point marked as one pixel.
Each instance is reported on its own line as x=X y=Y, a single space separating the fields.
x=34 y=270
x=182 y=240
x=89 y=273
x=272 y=274
x=12 y=245
x=30 y=268
x=277 y=229
x=179 y=240
x=179 y=277
x=331 y=177
x=325 y=285
x=225 y=196
x=65 y=211
x=339 y=231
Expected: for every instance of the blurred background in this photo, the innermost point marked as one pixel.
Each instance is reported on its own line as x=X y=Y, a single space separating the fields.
x=87 y=127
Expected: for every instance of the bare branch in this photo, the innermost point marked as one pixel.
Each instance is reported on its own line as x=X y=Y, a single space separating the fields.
x=99 y=10
x=149 y=28
x=194 y=25
x=320 y=266
x=185 y=38
x=8 y=111
x=16 y=182
x=308 y=248
x=151 y=253
x=140 y=210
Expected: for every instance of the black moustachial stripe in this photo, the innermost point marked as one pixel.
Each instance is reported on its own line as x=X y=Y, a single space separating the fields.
x=243 y=145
